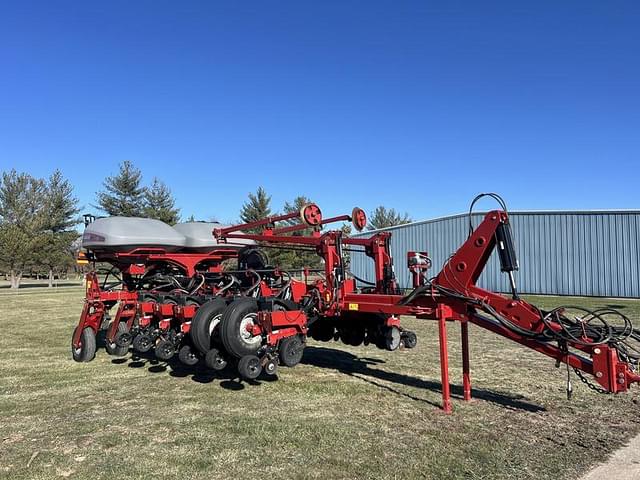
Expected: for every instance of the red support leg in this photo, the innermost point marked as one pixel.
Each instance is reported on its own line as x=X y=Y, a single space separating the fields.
x=444 y=366
x=466 y=374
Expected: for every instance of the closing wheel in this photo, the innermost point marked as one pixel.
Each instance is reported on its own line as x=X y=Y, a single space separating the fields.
x=410 y=339
x=271 y=367
x=392 y=338
x=205 y=322
x=142 y=343
x=215 y=360
x=249 y=367
x=187 y=356
x=87 y=349
x=119 y=347
x=165 y=350
x=291 y=350
x=236 y=325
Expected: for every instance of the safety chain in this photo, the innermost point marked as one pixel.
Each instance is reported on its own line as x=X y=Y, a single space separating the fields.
x=588 y=383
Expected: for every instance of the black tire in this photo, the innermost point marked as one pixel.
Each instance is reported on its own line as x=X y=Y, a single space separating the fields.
x=410 y=339
x=187 y=356
x=201 y=331
x=87 y=350
x=235 y=338
x=113 y=348
x=215 y=360
x=322 y=330
x=352 y=335
x=291 y=350
x=142 y=343
x=165 y=350
x=249 y=367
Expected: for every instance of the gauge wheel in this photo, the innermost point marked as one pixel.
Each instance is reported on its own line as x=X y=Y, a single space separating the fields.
x=291 y=350
x=119 y=347
x=187 y=356
x=215 y=360
x=249 y=367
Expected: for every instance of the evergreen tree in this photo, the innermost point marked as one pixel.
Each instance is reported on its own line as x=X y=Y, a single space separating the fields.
x=257 y=207
x=160 y=204
x=22 y=219
x=123 y=193
x=383 y=218
x=295 y=258
x=54 y=243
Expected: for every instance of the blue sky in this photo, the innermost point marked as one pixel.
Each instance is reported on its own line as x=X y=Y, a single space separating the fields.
x=413 y=105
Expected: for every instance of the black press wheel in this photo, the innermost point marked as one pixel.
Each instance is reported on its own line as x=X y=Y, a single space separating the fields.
x=187 y=356
x=118 y=348
x=249 y=367
x=291 y=350
x=235 y=328
x=204 y=323
x=87 y=349
x=142 y=343
x=215 y=360
x=165 y=350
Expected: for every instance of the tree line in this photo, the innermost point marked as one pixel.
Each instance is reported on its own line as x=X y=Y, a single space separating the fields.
x=39 y=219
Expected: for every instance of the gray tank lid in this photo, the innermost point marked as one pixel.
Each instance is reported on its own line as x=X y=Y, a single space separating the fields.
x=126 y=233
x=199 y=236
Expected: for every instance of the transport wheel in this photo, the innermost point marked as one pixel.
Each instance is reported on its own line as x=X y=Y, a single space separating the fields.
x=249 y=367
x=392 y=338
x=205 y=322
x=165 y=350
x=291 y=350
x=187 y=356
x=142 y=343
x=87 y=350
x=115 y=348
x=236 y=321
x=410 y=339
x=214 y=360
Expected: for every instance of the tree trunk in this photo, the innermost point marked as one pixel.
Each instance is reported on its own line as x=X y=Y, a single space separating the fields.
x=15 y=278
x=51 y=278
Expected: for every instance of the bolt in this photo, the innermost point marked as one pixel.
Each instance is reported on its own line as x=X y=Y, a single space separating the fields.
x=596 y=351
x=621 y=381
x=598 y=374
x=621 y=375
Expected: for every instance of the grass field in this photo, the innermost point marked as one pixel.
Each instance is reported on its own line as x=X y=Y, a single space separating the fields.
x=343 y=413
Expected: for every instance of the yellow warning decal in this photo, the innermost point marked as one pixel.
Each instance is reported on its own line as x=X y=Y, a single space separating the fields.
x=354 y=306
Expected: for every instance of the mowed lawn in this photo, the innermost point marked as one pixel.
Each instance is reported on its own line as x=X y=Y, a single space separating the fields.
x=343 y=413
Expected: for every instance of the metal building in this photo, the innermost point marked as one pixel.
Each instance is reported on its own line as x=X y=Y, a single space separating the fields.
x=589 y=253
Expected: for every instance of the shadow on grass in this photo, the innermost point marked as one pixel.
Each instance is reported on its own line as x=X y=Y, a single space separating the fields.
x=359 y=368
x=321 y=357
x=228 y=377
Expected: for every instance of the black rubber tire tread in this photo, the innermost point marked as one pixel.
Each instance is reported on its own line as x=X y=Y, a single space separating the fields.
x=201 y=321
x=230 y=326
x=187 y=356
x=215 y=360
x=113 y=349
x=410 y=339
x=247 y=367
x=136 y=344
x=165 y=350
x=87 y=345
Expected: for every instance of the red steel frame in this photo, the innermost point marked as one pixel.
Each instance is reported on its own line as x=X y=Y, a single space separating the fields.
x=460 y=274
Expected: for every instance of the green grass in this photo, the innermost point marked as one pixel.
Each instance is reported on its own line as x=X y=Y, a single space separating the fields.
x=343 y=413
